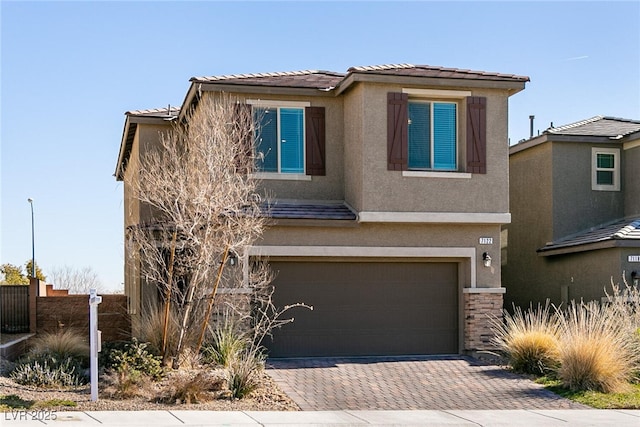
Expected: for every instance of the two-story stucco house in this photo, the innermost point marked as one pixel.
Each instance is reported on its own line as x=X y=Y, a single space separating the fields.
x=390 y=188
x=575 y=205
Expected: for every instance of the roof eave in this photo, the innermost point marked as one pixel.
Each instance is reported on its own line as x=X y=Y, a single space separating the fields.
x=125 y=149
x=551 y=137
x=128 y=134
x=192 y=97
x=512 y=86
x=592 y=246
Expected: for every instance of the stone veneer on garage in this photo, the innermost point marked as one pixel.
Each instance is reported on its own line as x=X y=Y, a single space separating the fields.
x=479 y=308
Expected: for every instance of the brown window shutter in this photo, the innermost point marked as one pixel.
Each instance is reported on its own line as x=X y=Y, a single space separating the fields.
x=315 y=140
x=477 y=134
x=397 y=131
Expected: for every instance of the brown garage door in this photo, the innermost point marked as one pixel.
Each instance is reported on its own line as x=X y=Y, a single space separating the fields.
x=367 y=308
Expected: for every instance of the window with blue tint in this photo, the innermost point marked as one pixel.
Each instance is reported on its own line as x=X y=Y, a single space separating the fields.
x=279 y=139
x=291 y=140
x=432 y=136
x=419 y=135
x=266 y=139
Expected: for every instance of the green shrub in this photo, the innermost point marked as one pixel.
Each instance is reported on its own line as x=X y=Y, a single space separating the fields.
x=597 y=351
x=243 y=373
x=132 y=358
x=529 y=339
x=46 y=370
x=226 y=345
x=13 y=401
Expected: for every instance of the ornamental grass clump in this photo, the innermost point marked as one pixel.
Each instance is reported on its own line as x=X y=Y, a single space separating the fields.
x=227 y=343
x=57 y=359
x=528 y=339
x=597 y=350
x=63 y=344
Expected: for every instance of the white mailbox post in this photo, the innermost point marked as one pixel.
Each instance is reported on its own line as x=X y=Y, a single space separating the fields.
x=94 y=341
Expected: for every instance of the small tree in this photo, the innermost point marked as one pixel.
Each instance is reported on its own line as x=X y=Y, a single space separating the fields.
x=76 y=280
x=14 y=274
x=39 y=274
x=204 y=207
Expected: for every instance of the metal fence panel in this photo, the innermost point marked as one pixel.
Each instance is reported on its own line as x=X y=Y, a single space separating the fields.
x=14 y=309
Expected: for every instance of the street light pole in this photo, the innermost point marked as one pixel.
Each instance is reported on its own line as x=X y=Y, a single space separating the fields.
x=33 y=242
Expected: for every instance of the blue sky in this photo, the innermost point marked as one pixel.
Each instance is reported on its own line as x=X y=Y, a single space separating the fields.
x=69 y=70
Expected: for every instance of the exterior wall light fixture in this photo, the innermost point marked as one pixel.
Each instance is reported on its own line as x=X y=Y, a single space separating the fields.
x=232 y=259
x=635 y=279
x=486 y=259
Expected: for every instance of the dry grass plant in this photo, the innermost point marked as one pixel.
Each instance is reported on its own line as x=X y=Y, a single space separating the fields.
x=62 y=344
x=150 y=330
x=529 y=339
x=194 y=387
x=597 y=350
x=125 y=384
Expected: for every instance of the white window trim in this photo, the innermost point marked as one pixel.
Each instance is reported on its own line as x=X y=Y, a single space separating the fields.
x=280 y=176
x=436 y=174
x=278 y=105
x=432 y=145
x=594 y=169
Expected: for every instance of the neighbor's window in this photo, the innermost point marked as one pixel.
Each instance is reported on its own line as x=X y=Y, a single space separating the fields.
x=279 y=139
x=605 y=175
x=432 y=136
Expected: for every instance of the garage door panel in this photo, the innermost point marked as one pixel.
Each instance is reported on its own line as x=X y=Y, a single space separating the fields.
x=367 y=308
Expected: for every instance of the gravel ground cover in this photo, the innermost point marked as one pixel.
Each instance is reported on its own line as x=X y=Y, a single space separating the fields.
x=267 y=397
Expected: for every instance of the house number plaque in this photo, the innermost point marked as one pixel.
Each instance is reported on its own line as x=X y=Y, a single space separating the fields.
x=486 y=240
x=634 y=258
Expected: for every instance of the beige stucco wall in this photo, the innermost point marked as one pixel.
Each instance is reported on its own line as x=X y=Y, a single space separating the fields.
x=576 y=206
x=353 y=146
x=551 y=197
x=632 y=180
x=530 y=176
x=147 y=136
x=384 y=190
x=399 y=235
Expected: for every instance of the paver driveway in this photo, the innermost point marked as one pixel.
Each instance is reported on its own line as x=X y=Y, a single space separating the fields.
x=423 y=382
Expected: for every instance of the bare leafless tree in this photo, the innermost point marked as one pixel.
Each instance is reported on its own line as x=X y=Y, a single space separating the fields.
x=76 y=280
x=204 y=206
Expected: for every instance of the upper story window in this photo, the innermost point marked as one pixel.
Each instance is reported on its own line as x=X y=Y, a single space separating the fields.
x=279 y=139
x=605 y=169
x=289 y=138
x=432 y=134
x=423 y=133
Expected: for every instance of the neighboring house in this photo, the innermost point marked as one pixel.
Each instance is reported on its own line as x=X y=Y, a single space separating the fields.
x=391 y=187
x=575 y=206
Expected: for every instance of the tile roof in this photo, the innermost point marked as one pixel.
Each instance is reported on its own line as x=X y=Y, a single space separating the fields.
x=155 y=112
x=613 y=127
x=625 y=229
x=434 y=71
x=319 y=211
x=313 y=79
x=327 y=80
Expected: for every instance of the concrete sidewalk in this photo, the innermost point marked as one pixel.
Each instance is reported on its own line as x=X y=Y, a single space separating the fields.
x=520 y=417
